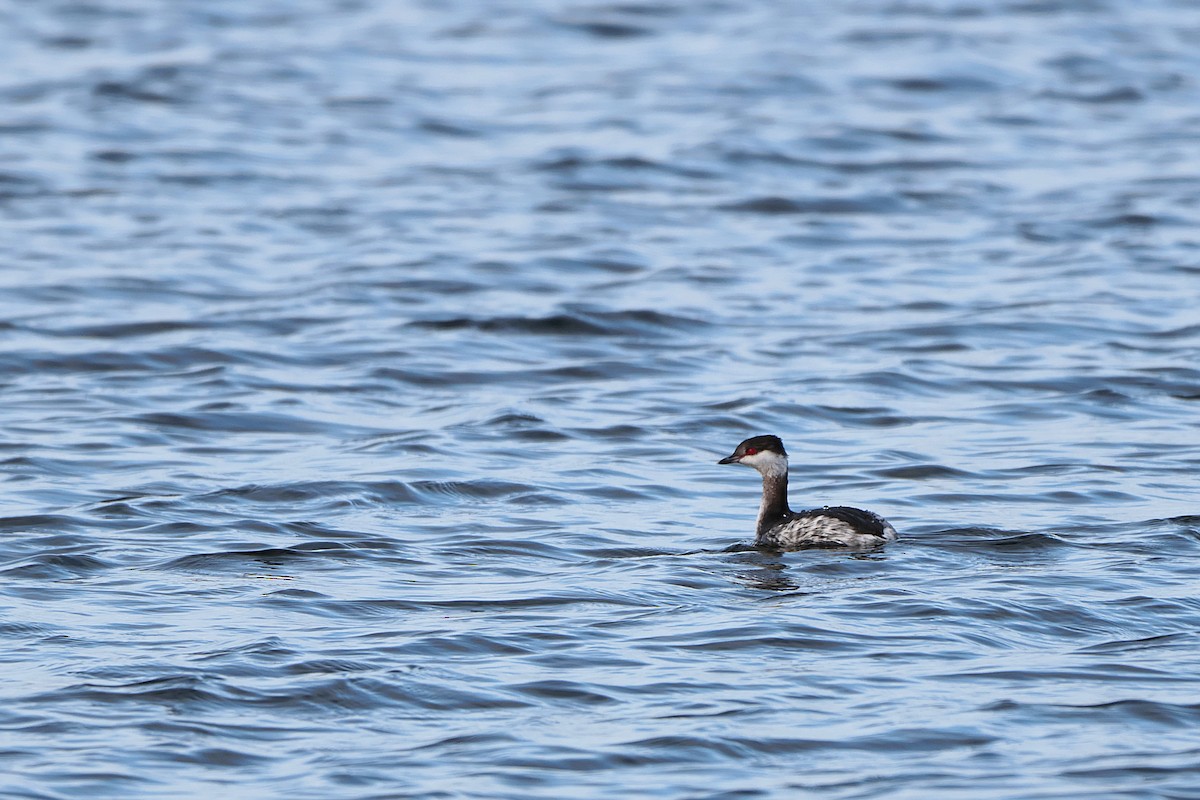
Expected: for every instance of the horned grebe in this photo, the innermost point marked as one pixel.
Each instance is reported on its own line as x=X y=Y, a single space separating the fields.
x=780 y=528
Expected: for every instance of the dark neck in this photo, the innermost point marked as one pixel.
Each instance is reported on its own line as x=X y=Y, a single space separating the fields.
x=774 y=506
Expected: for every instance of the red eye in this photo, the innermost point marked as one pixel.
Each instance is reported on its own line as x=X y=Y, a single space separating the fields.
x=751 y=451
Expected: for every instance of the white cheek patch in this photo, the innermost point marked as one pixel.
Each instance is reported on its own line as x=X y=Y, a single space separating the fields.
x=765 y=461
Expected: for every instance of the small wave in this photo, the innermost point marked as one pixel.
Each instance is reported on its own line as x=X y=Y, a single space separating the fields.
x=1100 y=672
x=608 y=30
x=483 y=489
x=621 y=323
x=999 y=540
x=923 y=472
x=575 y=164
x=1117 y=94
x=301 y=492
x=937 y=84
x=867 y=417
x=826 y=205
x=520 y=548
x=13 y=186
x=793 y=637
x=57 y=567
x=562 y=692
x=159 y=690
x=455 y=130
x=222 y=757
x=309 y=553
x=1186 y=639
x=238 y=422
x=113 y=362
x=51 y=523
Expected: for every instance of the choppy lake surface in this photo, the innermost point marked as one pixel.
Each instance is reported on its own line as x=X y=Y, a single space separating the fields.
x=365 y=365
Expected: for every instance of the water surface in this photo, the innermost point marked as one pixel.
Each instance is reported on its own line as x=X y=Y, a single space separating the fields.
x=365 y=365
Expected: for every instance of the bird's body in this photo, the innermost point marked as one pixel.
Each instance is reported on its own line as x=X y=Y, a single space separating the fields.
x=780 y=528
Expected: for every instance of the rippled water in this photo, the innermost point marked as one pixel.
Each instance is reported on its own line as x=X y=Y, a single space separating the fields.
x=365 y=365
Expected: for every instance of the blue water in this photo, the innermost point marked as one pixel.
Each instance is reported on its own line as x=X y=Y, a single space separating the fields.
x=364 y=366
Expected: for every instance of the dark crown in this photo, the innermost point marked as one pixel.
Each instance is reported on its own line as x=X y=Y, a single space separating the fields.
x=760 y=443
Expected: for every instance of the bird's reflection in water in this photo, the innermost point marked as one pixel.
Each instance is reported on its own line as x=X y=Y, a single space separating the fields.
x=763 y=569
x=766 y=569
